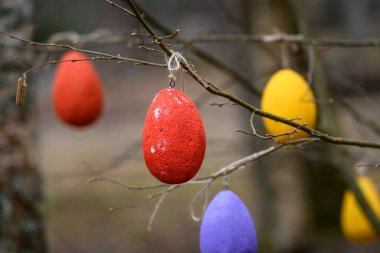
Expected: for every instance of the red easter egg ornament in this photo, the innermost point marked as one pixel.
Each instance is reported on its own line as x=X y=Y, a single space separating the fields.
x=174 y=140
x=77 y=91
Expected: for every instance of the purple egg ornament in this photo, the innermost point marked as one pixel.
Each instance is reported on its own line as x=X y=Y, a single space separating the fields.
x=227 y=226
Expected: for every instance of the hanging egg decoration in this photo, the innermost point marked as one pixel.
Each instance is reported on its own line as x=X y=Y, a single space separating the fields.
x=227 y=226
x=77 y=91
x=288 y=95
x=354 y=223
x=174 y=140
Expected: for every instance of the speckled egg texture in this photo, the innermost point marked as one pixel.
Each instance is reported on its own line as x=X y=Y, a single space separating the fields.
x=227 y=226
x=174 y=140
x=77 y=91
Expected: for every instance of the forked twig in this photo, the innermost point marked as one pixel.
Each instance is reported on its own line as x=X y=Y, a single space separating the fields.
x=160 y=201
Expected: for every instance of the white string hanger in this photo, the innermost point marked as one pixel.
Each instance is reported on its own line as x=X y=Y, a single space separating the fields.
x=174 y=65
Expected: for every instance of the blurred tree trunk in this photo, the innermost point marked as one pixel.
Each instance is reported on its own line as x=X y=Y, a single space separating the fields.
x=282 y=180
x=355 y=19
x=21 y=228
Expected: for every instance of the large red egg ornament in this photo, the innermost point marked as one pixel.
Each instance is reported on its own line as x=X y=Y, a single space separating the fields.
x=174 y=140
x=77 y=91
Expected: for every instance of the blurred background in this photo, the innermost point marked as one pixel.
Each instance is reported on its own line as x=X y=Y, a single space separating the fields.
x=293 y=195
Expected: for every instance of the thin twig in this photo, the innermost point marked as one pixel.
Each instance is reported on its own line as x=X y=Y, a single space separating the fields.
x=159 y=204
x=149 y=197
x=360 y=117
x=254 y=129
x=100 y=177
x=125 y=185
x=71 y=60
x=110 y=56
x=172 y=35
x=222 y=104
x=283 y=38
x=241 y=163
x=151 y=49
x=369 y=165
x=205 y=193
x=268 y=136
x=246 y=82
x=120 y=8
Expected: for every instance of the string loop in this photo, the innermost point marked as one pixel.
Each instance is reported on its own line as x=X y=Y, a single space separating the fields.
x=174 y=64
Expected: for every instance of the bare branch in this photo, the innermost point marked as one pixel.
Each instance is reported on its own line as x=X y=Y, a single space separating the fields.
x=222 y=104
x=204 y=192
x=207 y=181
x=98 y=37
x=323 y=136
x=203 y=54
x=71 y=60
x=100 y=177
x=217 y=91
x=369 y=165
x=172 y=35
x=360 y=117
x=236 y=165
x=281 y=38
x=163 y=194
x=120 y=8
x=151 y=49
x=102 y=56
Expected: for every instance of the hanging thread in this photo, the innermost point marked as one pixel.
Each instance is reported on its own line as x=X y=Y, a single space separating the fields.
x=226 y=182
x=285 y=55
x=174 y=64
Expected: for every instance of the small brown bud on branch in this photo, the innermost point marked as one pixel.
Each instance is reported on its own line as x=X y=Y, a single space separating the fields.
x=21 y=91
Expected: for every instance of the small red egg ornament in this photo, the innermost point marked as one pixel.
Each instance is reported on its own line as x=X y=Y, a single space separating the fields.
x=174 y=140
x=77 y=91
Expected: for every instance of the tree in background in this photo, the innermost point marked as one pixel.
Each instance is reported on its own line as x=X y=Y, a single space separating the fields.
x=21 y=225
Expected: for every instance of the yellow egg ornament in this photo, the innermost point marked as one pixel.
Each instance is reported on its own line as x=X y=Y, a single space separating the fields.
x=288 y=95
x=354 y=223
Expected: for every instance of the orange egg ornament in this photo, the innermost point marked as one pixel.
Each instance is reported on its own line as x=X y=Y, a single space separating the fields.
x=174 y=140
x=77 y=91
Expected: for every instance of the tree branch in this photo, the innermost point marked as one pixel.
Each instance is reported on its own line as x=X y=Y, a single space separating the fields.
x=246 y=83
x=104 y=55
x=366 y=121
x=120 y=8
x=323 y=136
x=217 y=91
x=281 y=38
